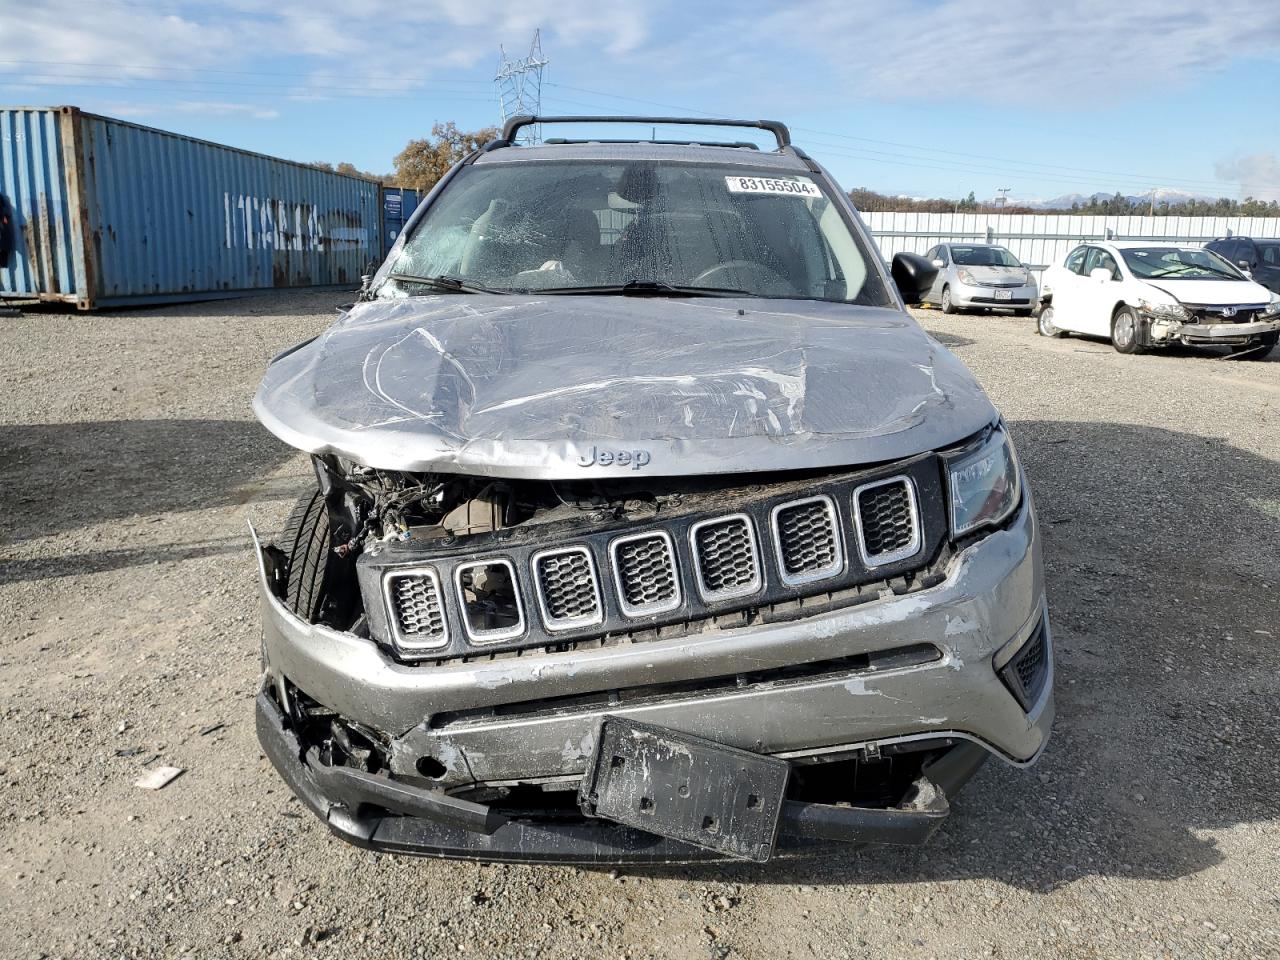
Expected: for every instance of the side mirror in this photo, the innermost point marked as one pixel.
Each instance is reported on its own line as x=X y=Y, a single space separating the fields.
x=1100 y=273
x=913 y=275
x=1244 y=265
x=938 y=263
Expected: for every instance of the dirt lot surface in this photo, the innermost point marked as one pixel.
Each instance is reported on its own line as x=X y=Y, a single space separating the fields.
x=130 y=462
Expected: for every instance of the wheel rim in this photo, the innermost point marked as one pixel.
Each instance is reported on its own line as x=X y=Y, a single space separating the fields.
x=946 y=299
x=1046 y=322
x=1124 y=329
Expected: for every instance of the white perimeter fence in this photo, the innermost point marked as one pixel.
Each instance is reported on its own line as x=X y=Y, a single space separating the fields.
x=1039 y=240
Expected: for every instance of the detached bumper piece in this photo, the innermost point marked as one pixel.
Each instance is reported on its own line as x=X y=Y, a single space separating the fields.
x=742 y=794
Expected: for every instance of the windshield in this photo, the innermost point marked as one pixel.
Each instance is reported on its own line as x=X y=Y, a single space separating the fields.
x=1176 y=263
x=983 y=257
x=567 y=225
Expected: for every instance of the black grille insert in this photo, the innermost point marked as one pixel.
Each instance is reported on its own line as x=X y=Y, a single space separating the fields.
x=418 y=610
x=808 y=540
x=567 y=588
x=646 y=573
x=887 y=522
x=726 y=558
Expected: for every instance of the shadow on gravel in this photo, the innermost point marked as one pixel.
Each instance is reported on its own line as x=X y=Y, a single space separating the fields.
x=1164 y=588
x=58 y=478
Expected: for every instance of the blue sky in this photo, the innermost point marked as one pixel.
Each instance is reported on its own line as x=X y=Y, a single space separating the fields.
x=923 y=97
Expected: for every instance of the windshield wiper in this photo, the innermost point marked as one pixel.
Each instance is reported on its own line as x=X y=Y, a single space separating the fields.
x=443 y=283
x=649 y=288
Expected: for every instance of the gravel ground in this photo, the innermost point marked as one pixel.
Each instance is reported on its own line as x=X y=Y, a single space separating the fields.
x=130 y=462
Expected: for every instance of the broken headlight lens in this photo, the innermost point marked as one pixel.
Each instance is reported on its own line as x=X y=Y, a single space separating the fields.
x=1164 y=311
x=984 y=484
x=1272 y=309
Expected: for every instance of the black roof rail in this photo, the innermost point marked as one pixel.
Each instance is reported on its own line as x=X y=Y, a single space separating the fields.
x=737 y=144
x=777 y=128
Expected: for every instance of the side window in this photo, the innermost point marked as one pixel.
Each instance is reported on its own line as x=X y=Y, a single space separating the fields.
x=932 y=254
x=1109 y=262
x=1245 y=252
x=1075 y=260
x=942 y=255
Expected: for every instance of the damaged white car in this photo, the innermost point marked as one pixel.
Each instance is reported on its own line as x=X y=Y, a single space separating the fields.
x=1143 y=294
x=648 y=525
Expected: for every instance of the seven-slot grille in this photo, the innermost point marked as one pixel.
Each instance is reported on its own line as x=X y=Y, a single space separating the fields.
x=608 y=582
x=725 y=557
x=417 y=611
x=568 y=591
x=645 y=567
x=887 y=518
x=808 y=540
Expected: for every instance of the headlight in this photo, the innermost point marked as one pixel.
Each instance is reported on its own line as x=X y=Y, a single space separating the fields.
x=1272 y=309
x=1164 y=311
x=984 y=484
x=967 y=277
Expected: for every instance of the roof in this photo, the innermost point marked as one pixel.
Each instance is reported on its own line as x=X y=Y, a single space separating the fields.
x=644 y=150
x=1150 y=242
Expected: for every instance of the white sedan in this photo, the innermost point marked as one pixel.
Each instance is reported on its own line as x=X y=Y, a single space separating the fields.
x=1144 y=294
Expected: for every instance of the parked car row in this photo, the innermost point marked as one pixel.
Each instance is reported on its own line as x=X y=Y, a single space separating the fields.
x=1140 y=294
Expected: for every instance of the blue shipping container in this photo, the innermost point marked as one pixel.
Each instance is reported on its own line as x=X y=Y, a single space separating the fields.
x=398 y=204
x=106 y=213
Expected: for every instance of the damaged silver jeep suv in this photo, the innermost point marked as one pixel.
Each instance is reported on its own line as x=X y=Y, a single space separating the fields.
x=648 y=525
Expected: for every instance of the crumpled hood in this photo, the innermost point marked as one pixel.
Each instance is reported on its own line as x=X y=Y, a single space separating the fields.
x=563 y=387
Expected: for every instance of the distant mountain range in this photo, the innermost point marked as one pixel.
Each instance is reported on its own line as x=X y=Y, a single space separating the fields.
x=1174 y=198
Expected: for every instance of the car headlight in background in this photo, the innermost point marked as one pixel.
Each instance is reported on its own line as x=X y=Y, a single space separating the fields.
x=1164 y=311
x=967 y=277
x=984 y=484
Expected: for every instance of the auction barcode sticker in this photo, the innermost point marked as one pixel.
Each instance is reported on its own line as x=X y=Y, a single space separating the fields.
x=780 y=188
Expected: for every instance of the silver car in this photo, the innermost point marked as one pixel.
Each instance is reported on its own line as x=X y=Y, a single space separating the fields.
x=647 y=524
x=973 y=276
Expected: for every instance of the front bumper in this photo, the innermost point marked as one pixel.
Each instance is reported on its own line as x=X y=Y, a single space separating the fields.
x=382 y=815
x=966 y=295
x=1219 y=332
x=534 y=718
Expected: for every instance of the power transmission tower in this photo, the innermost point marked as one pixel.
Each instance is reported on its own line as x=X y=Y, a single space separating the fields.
x=1004 y=195
x=519 y=86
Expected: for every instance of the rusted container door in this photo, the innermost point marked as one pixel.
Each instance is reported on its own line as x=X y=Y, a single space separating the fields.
x=38 y=246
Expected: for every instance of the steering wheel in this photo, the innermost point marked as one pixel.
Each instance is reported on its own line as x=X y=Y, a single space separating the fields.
x=769 y=277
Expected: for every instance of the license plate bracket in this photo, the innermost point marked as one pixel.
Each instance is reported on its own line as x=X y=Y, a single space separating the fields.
x=686 y=788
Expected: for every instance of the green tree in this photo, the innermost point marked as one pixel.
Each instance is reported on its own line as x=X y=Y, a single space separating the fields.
x=423 y=162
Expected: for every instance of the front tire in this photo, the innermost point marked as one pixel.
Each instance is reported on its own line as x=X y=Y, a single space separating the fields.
x=319 y=587
x=1124 y=331
x=947 y=305
x=1044 y=323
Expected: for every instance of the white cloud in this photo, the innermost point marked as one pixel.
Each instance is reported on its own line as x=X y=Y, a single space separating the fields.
x=162 y=38
x=1057 y=53
x=1257 y=173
